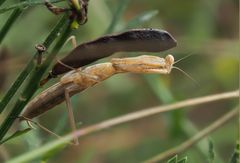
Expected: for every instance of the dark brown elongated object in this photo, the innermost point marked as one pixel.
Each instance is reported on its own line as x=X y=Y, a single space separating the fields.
x=138 y=40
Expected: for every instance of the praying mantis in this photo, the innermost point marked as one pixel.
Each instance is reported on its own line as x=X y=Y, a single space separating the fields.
x=78 y=78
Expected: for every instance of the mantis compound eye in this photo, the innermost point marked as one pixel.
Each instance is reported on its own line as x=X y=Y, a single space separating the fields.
x=169 y=59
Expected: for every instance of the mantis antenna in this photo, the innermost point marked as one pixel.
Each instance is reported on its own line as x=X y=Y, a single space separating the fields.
x=182 y=71
x=189 y=55
x=189 y=76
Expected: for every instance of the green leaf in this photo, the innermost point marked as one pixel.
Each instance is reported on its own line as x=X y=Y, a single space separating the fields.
x=26 y=4
x=39 y=152
x=53 y=152
x=183 y=160
x=141 y=19
x=236 y=154
x=16 y=134
x=211 y=153
x=176 y=160
x=122 y=5
x=33 y=81
x=173 y=160
x=7 y=26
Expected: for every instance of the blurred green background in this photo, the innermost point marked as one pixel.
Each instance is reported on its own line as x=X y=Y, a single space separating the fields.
x=209 y=30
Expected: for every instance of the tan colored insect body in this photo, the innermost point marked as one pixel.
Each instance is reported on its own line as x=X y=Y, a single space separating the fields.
x=78 y=80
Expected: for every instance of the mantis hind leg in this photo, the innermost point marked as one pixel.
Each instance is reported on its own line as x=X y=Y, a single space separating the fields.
x=70 y=115
x=30 y=122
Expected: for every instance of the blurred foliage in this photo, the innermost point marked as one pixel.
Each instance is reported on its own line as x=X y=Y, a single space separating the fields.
x=176 y=160
x=236 y=154
x=16 y=134
x=211 y=154
x=4 y=57
x=206 y=29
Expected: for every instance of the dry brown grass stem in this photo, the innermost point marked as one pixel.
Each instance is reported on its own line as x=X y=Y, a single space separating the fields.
x=152 y=111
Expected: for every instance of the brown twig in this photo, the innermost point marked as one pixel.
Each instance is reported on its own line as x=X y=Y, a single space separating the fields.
x=152 y=111
x=187 y=144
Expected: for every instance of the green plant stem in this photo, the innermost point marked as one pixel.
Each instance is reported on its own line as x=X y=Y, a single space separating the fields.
x=7 y=26
x=2 y=1
x=25 y=4
x=33 y=83
x=122 y=5
x=49 y=40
